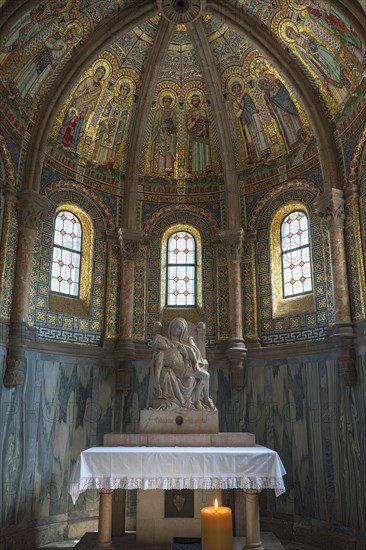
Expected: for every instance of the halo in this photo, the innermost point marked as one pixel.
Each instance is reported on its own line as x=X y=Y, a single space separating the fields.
x=167 y=92
x=73 y=109
x=67 y=6
x=234 y=78
x=258 y=60
x=195 y=91
x=77 y=29
x=298 y=5
x=283 y=26
x=105 y=64
x=130 y=81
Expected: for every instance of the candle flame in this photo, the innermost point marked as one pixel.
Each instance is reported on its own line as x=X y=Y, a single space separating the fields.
x=216 y=504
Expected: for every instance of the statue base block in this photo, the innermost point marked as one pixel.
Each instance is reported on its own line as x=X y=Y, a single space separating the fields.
x=179 y=421
x=222 y=439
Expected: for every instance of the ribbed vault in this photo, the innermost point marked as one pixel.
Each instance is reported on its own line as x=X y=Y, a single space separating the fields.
x=236 y=16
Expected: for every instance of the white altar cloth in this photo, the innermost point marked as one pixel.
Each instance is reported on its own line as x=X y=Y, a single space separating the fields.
x=177 y=468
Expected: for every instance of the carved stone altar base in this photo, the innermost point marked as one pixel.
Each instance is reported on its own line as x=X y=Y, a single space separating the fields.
x=179 y=421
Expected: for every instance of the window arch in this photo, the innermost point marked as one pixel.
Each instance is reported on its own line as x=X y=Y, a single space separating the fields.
x=71 y=264
x=66 y=254
x=181 y=267
x=290 y=264
x=295 y=254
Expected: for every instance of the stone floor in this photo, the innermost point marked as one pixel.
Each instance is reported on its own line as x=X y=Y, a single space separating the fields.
x=128 y=542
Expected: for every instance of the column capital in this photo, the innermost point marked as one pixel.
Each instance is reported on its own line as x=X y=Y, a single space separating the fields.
x=31 y=206
x=351 y=192
x=232 y=241
x=251 y=236
x=330 y=207
x=131 y=242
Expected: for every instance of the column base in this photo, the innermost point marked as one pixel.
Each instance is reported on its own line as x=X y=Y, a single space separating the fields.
x=254 y=546
x=104 y=546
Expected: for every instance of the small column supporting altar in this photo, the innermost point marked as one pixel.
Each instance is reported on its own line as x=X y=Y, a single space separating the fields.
x=253 y=536
x=330 y=208
x=232 y=241
x=30 y=207
x=105 y=521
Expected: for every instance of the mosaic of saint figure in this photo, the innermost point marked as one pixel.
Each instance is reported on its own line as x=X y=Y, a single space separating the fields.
x=326 y=65
x=331 y=19
x=283 y=110
x=254 y=136
x=112 y=127
x=32 y=23
x=164 y=136
x=83 y=102
x=197 y=123
x=30 y=78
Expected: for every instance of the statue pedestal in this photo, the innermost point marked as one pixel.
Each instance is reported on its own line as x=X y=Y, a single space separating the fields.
x=179 y=421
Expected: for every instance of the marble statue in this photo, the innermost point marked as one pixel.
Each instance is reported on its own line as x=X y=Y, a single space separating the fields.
x=180 y=375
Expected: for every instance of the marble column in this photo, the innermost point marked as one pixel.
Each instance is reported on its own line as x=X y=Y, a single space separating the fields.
x=130 y=243
x=330 y=208
x=104 y=540
x=353 y=230
x=30 y=207
x=232 y=241
x=253 y=535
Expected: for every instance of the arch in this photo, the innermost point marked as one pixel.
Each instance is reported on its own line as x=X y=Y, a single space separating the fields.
x=166 y=215
x=95 y=199
x=268 y=198
x=83 y=253
x=8 y=163
x=282 y=303
x=293 y=74
x=195 y=264
x=143 y=10
x=356 y=159
x=101 y=38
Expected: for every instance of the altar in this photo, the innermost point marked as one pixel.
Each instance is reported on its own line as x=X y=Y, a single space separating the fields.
x=106 y=469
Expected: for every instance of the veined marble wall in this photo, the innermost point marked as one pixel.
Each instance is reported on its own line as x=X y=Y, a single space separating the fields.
x=64 y=406
x=298 y=407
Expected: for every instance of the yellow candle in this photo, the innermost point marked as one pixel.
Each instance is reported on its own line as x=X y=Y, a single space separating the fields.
x=216 y=528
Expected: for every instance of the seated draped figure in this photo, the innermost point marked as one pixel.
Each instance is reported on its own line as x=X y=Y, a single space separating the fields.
x=180 y=375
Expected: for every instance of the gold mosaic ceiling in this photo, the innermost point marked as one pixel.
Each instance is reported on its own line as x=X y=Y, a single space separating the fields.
x=202 y=63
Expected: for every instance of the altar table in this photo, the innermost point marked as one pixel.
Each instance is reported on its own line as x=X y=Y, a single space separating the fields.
x=108 y=468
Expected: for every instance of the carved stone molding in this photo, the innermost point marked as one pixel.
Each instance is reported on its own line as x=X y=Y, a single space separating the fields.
x=125 y=351
x=341 y=334
x=15 y=361
x=31 y=206
x=330 y=207
x=236 y=352
x=233 y=242
x=181 y=11
x=130 y=243
x=14 y=374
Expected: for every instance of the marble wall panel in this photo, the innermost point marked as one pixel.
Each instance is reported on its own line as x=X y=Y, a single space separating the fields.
x=62 y=408
x=296 y=406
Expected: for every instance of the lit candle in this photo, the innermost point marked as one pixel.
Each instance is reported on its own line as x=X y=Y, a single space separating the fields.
x=216 y=528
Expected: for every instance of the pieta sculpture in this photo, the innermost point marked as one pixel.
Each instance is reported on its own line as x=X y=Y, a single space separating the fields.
x=180 y=374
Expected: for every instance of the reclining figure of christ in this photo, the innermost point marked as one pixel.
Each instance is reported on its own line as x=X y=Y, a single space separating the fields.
x=180 y=376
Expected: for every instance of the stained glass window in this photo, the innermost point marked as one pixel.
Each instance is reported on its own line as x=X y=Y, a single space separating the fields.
x=66 y=260
x=181 y=269
x=295 y=247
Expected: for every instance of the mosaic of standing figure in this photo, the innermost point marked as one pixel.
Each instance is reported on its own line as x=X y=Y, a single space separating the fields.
x=112 y=125
x=199 y=160
x=164 y=135
x=82 y=104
